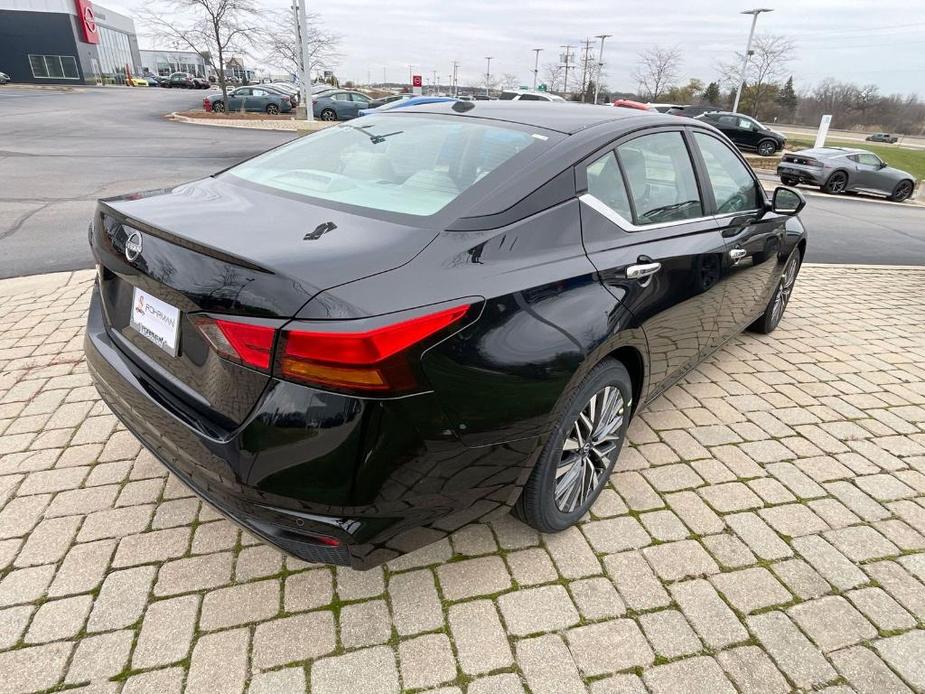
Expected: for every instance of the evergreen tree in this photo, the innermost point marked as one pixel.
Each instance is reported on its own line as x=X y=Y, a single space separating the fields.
x=787 y=98
x=711 y=95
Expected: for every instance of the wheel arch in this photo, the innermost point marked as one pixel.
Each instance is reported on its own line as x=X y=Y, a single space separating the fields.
x=632 y=359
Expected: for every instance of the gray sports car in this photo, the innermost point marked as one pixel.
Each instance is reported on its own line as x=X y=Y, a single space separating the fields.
x=842 y=170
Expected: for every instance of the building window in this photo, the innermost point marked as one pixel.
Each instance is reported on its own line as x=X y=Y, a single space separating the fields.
x=55 y=67
x=115 y=55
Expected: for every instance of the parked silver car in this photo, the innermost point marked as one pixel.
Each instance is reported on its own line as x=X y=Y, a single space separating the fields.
x=841 y=170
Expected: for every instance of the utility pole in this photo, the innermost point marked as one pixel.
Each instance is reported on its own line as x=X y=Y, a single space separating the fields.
x=566 y=59
x=455 y=78
x=306 y=71
x=385 y=78
x=411 y=77
x=585 y=59
x=488 y=75
x=435 y=83
x=748 y=49
x=536 y=66
x=600 y=65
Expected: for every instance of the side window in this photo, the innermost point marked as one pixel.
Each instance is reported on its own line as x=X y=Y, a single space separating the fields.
x=746 y=124
x=243 y=92
x=606 y=184
x=531 y=97
x=259 y=92
x=733 y=186
x=728 y=121
x=868 y=159
x=661 y=178
x=341 y=96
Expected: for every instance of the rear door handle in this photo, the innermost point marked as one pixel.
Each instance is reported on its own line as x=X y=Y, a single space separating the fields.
x=638 y=272
x=737 y=224
x=737 y=254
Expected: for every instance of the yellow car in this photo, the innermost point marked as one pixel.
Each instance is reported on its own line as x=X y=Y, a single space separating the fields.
x=138 y=82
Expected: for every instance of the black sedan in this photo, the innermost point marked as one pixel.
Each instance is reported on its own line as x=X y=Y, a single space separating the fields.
x=356 y=343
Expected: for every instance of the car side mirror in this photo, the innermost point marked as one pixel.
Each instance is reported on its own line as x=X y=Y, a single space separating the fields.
x=882 y=165
x=787 y=201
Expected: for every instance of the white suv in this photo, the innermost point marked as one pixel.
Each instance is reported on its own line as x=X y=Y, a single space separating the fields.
x=528 y=95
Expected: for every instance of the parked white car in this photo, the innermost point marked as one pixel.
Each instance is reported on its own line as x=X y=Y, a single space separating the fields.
x=528 y=95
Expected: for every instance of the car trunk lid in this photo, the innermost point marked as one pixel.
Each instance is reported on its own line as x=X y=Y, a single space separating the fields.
x=216 y=248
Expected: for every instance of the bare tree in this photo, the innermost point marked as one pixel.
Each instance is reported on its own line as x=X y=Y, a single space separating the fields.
x=212 y=28
x=509 y=80
x=768 y=64
x=552 y=76
x=282 y=44
x=657 y=71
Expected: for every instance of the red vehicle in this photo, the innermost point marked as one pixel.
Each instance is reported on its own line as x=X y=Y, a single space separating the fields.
x=628 y=103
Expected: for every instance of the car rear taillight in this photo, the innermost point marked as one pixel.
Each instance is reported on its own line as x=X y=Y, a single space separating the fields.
x=244 y=343
x=380 y=360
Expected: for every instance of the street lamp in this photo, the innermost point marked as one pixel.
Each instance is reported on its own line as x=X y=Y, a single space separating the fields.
x=488 y=74
x=536 y=66
x=600 y=65
x=748 y=48
x=305 y=73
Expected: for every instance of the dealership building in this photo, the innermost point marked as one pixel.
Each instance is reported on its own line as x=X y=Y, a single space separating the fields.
x=66 y=42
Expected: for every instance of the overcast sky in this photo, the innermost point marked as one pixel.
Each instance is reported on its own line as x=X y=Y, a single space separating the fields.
x=850 y=40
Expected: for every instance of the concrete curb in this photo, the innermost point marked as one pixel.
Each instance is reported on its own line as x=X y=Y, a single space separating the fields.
x=174 y=116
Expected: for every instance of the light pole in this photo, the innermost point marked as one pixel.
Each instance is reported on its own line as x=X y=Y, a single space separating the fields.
x=748 y=48
x=536 y=66
x=455 y=81
x=411 y=77
x=600 y=65
x=565 y=83
x=488 y=74
x=306 y=71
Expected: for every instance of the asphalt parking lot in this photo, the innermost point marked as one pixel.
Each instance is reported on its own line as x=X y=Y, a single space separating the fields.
x=60 y=151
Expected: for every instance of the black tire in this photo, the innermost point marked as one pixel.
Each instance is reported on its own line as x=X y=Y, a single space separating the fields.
x=218 y=106
x=902 y=191
x=774 y=312
x=836 y=184
x=767 y=148
x=577 y=485
x=787 y=181
x=273 y=109
x=329 y=114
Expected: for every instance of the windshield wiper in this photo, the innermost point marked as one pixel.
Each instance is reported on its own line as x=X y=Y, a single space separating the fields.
x=375 y=139
x=670 y=208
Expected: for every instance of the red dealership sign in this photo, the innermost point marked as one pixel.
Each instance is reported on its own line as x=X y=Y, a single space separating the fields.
x=87 y=21
x=416 y=81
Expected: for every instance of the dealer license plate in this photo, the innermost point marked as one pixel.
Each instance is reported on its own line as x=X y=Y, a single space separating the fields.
x=156 y=320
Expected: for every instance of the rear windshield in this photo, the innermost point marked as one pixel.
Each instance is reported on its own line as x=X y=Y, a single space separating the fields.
x=413 y=165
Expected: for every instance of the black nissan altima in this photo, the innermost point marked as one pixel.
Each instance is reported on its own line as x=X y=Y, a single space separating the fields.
x=358 y=342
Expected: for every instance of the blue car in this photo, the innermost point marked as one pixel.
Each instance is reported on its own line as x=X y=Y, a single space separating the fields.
x=404 y=103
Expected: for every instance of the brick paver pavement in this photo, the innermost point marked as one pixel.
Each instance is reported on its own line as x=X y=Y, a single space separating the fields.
x=763 y=533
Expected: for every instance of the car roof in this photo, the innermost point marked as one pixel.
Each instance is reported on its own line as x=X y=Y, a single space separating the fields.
x=566 y=118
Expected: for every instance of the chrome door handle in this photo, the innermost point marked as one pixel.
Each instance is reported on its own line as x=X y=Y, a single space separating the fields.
x=737 y=254
x=637 y=272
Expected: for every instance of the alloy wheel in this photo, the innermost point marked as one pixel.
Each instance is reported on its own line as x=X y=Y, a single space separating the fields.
x=838 y=183
x=903 y=191
x=766 y=149
x=784 y=290
x=328 y=114
x=586 y=453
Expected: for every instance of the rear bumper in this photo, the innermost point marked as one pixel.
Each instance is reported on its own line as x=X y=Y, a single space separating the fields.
x=324 y=477
x=804 y=174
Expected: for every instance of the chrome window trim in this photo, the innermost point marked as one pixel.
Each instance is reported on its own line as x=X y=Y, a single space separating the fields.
x=602 y=208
